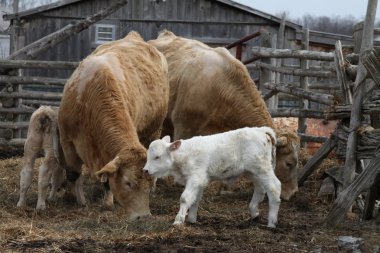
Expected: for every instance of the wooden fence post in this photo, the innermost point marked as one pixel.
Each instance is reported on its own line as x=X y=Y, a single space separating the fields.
x=304 y=103
x=279 y=45
x=359 y=93
x=266 y=75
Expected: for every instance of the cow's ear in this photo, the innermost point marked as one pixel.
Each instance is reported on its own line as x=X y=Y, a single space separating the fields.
x=166 y=138
x=108 y=169
x=175 y=145
x=281 y=141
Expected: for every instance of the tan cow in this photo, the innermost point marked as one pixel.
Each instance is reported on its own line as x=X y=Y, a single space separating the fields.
x=42 y=137
x=212 y=92
x=115 y=100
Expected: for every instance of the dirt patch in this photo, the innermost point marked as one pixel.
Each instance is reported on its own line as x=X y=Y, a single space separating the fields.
x=224 y=223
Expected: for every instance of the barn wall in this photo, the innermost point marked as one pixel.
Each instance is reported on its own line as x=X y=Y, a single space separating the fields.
x=209 y=21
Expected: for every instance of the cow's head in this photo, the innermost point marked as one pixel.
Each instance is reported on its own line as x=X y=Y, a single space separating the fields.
x=159 y=157
x=128 y=183
x=288 y=145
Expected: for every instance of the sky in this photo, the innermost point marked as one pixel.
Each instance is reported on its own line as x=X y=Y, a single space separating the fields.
x=298 y=8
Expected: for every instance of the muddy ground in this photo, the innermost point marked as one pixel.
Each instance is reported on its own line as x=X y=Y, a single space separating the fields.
x=224 y=223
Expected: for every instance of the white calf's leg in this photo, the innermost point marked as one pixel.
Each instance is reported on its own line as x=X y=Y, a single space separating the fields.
x=57 y=179
x=188 y=198
x=193 y=211
x=26 y=177
x=44 y=175
x=272 y=187
x=257 y=197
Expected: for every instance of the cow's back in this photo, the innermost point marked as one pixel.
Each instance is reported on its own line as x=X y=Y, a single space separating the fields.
x=117 y=94
x=210 y=91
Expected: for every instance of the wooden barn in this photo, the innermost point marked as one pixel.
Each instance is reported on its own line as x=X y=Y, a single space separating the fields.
x=216 y=23
x=76 y=27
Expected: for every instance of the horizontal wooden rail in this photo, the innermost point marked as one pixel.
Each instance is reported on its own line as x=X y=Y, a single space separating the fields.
x=32 y=95
x=17 y=110
x=13 y=125
x=39 y=102
x=310 y=138
x=290 y=53
x=325 y=99
x=297 y=72
x=24 y=64
x=31 y=80
x=12 y=142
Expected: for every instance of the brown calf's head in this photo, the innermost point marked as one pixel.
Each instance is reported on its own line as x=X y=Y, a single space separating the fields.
x=128 y=184
x=288 y=145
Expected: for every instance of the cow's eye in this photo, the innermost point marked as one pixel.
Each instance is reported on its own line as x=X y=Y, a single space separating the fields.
x=156 y=158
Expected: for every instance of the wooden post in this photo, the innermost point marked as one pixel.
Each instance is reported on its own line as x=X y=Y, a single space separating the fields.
x=304 y=103
x=340 y=66
x=359 y=93
x=347 y=197
x=318 y=158
x=266 y=75
x=358 y=36
x=279 y=45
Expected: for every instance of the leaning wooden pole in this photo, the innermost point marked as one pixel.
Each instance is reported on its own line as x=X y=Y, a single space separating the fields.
x=359 y=94
x=35 y=48
x=347 y=197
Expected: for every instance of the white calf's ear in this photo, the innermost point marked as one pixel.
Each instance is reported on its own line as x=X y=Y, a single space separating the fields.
x=175 y=145
x=166 y=138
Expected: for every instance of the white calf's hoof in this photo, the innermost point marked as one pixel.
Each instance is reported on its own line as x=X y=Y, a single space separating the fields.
x=21 y=204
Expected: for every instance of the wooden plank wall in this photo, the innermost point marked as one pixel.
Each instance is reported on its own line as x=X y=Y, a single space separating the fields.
x=205 y=20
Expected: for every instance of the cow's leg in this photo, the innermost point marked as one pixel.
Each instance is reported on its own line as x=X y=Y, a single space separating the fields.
x=193 y=211
x=188 y=198
x=26 y=173
x=73 y=171
x=44 y=176
x=257 y=197
x=272 y=187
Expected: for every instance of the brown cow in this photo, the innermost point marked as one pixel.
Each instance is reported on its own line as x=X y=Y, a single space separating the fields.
x=115 y=99
x=212 y=92
x=42 y=137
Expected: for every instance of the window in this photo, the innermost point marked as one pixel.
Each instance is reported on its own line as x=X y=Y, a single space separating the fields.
x=104 y=33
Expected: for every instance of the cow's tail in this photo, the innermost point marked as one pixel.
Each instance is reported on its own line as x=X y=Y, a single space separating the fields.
x=271 y=137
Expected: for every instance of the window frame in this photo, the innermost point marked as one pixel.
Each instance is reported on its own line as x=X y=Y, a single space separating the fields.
x=98 y=39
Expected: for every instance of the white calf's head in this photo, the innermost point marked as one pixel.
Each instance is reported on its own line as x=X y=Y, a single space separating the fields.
x=159 y=157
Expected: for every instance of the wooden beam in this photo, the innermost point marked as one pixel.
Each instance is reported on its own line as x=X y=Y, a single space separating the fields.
x=371 y=62
x=32 y=95
x=13 y=125
x=296 y=72
x=39 y=102
x=340 y=66
x=326 y=99
x=32 y=80
x=35 y=48
x=291 y=53
x=318 y=157
x=370 y=199
x=347 y=197
x=310 y=138
x=29 y=64
x=12 y=143
x=304 y=82
x=359 y=94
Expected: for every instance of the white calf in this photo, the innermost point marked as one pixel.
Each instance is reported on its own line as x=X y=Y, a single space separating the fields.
x=197 y=161
x=42 y=136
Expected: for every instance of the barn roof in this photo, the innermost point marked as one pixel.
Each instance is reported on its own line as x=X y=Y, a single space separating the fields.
x=230 y=3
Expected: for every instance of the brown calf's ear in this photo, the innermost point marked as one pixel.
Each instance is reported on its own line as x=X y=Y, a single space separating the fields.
x=281 y=141
x=108 y=169
x=175 y=145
